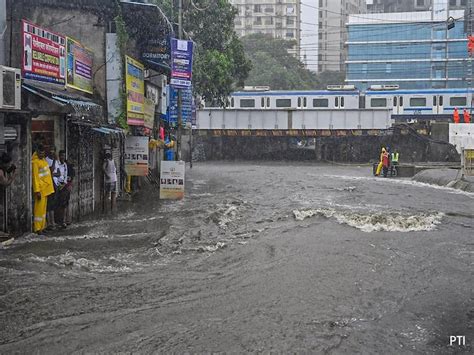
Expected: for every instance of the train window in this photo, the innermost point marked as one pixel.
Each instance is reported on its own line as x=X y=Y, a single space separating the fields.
x=283 y=102
x=395 y=101
x=299 y=101
x=401 y=100
x=268 y=102
x=336 y=101
x=304 y=102
x=320 y=102
x=262 y=102
x=441 y=100
x=342 y=102
x=378 y=102
x=417 y=101
x=457 y=101
x=247 y=103
x=435 y=100
x=232 y=102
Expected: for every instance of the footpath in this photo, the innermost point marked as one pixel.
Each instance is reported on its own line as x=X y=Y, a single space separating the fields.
x=446 y=177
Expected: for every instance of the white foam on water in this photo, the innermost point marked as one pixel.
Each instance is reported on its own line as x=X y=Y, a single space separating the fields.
x=403 y=182
x=73 y=261
x=375 y=221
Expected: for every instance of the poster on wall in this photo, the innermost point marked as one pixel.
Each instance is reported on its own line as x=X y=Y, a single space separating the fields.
x=79 y=66
x=44 y=54
x=135 y=91
x=149 y=113
x=172 y=180
x=136 y=156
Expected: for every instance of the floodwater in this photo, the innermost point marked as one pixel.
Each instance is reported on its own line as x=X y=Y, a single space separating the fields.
x=259 y=257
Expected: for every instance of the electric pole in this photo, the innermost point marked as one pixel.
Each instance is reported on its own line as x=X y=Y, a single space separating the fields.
x=180 y=114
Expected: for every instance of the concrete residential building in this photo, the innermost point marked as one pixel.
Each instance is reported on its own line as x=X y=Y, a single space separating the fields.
x=278 y=18
x=414 y=50
x=380 y=6
x=332 y=34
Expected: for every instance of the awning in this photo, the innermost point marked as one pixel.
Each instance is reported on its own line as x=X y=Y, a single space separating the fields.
x=78 y=106
x=108 y=130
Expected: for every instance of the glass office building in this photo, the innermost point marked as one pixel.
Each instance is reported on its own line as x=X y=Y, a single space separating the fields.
x=413 y=50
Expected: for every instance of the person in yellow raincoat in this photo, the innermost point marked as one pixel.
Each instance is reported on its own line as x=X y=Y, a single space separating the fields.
x=379 y=167
x=42 y=188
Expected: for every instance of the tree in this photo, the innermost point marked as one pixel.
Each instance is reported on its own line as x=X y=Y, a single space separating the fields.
x=274 y=66
x=220 y=65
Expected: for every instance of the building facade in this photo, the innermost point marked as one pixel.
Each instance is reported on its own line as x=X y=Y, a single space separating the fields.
x=278 y=18
x=332 y=35
x=414 y=50
x=381 y=6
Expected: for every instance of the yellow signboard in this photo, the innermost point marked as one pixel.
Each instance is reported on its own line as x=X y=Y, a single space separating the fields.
x=135 y=91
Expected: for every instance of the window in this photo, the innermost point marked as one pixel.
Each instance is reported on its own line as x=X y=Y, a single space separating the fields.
x=452 y=2
x=262 y=102
x=268 y=102
x=290 y=21
x=336 y=101
x=283 y=103
x=299 y=101
x=342 y=101
x=417 y=102
x=289 y=34
x=232 y=102
x=441 y=100
x=401 y=100
x=304 y=102
x=394 y=101
x=257 y=8
x=378 y=102
x=457 y=101
x=247 y=103
x=269 y=9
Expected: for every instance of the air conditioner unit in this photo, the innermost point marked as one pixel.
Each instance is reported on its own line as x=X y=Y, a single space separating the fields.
x=10 y=88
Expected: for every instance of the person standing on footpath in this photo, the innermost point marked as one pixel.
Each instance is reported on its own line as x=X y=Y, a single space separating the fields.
x=110 y=177
x=62 y=193
x=52 y=160
x=42 y=188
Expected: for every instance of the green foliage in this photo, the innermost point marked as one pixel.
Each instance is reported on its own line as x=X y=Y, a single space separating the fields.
x=220 y=65
x=274 y=66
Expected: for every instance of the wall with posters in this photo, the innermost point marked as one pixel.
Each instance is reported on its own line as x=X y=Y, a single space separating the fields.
x=136 y=156
x=135 y=85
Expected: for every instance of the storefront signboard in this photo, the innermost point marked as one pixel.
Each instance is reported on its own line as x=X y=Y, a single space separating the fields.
x=135 y=91
x=136 y=156
x=79 y=66
x=44 y=54
x=172 y=180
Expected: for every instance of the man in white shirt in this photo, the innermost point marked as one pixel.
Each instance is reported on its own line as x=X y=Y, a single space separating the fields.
x=110 y=180
x=62 y=194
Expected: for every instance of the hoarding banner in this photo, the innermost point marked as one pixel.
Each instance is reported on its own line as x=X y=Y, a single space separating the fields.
x=135 y=91
x=172 y=180
x=149 y=113
x=156 y=52
x=44 y=54
x=136 y=156
x=186 y=105
x=181 y=63
x=79 y=66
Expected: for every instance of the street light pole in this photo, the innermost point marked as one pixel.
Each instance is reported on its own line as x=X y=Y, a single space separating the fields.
x=180 y=115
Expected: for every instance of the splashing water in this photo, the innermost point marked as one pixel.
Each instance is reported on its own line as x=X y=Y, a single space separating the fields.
x=376 y=221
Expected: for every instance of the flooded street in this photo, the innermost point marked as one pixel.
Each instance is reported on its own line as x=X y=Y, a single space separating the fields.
x=258 y=257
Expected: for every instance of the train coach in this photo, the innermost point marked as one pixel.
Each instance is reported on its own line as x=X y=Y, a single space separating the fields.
x=340 y=97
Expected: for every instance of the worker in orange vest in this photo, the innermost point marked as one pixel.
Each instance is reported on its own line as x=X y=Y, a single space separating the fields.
x=467 y=116
x=456 y=115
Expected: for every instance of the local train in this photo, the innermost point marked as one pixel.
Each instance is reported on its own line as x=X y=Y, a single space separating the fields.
x=337 y=97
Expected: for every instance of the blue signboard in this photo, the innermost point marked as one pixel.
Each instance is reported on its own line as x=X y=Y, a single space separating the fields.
x=156 y=53
x=181 y=63
x=186 y=105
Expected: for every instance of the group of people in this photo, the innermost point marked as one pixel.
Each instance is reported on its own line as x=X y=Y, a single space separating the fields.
x=466 y=116
x=52 y=179
x=388 y=162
